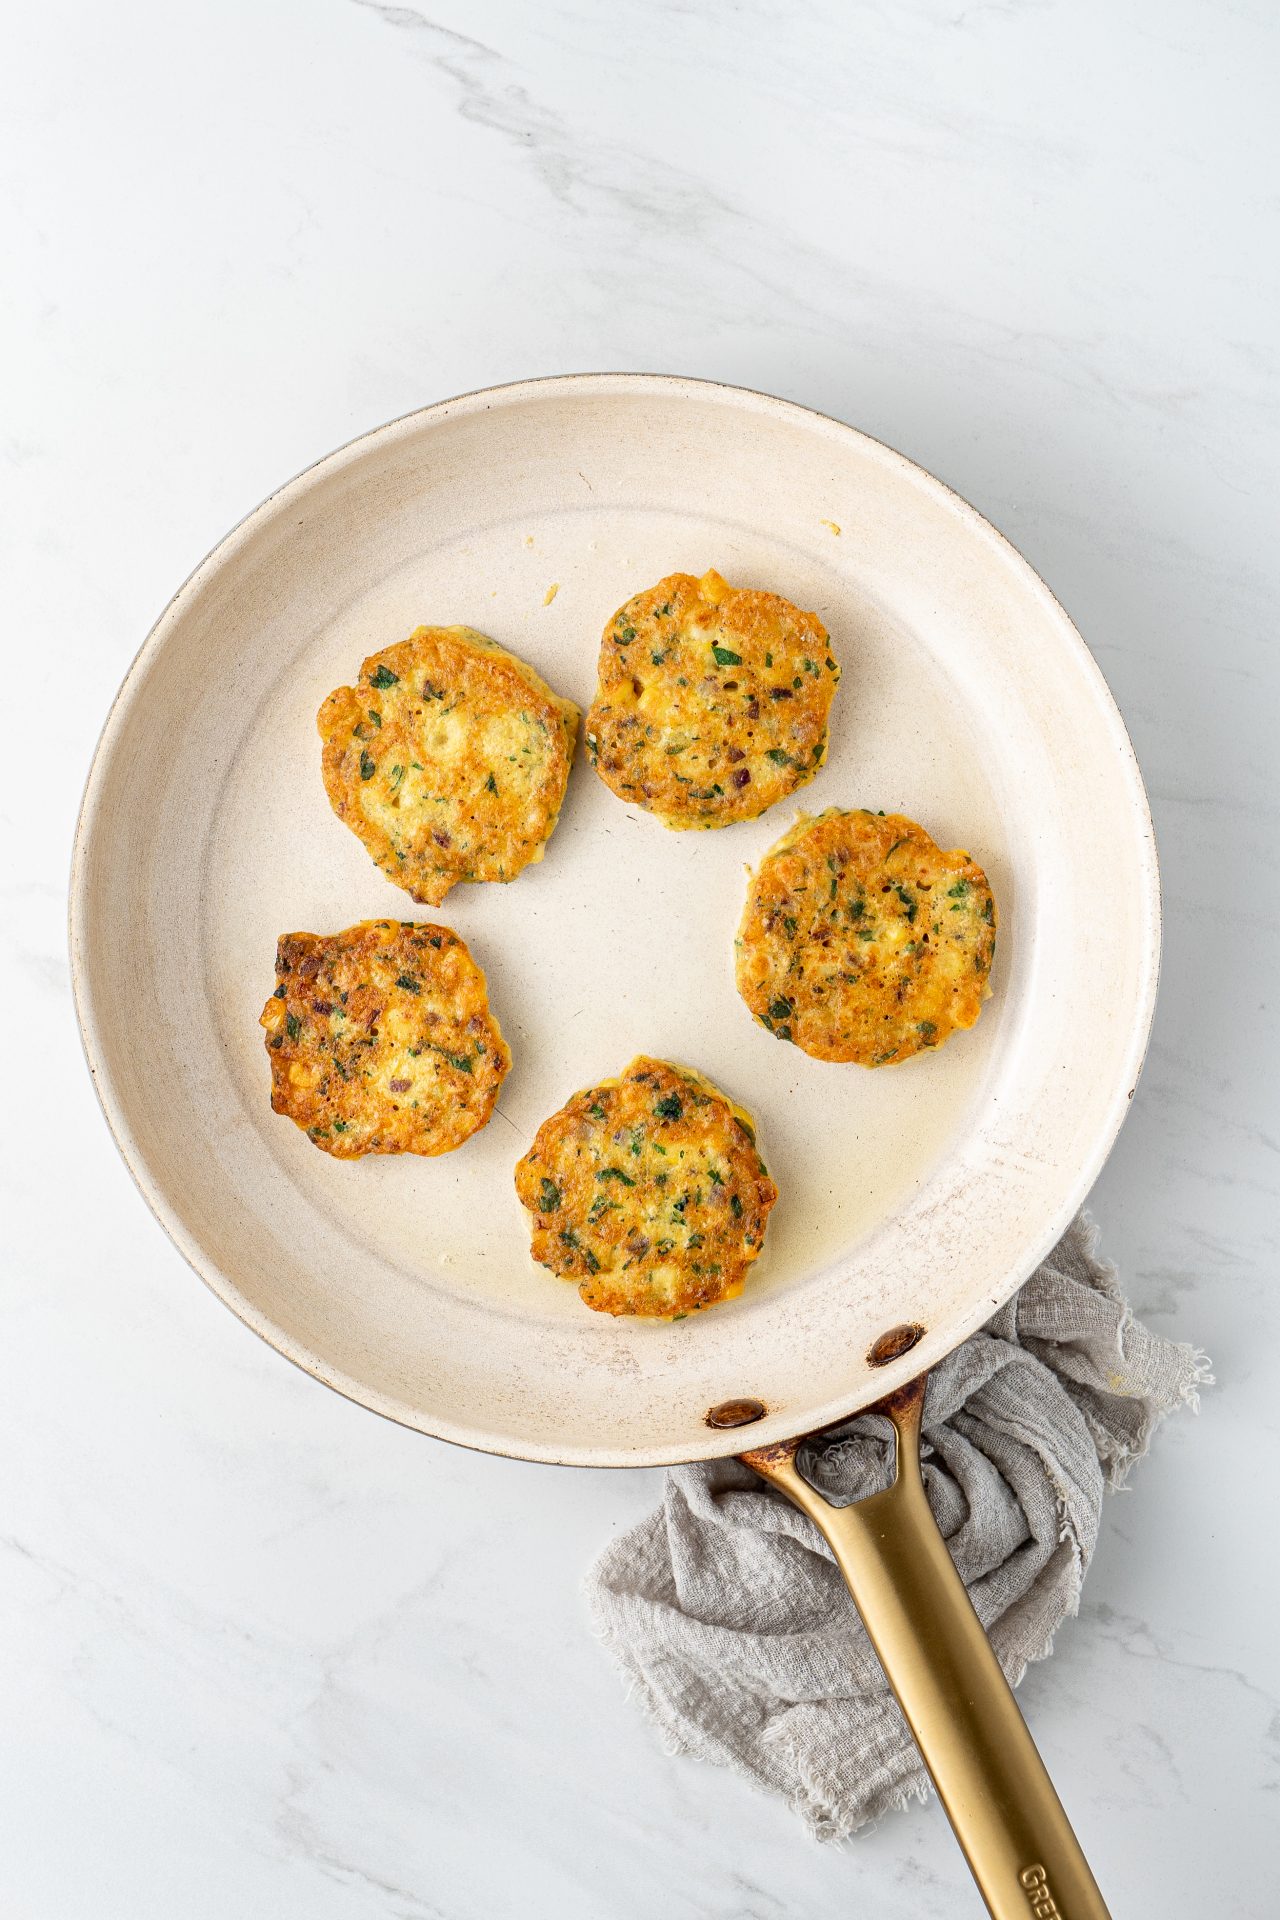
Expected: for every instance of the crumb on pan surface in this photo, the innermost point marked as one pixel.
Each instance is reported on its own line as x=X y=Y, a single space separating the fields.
x=712 y=701
x=648 y=1191
x=862 y=940
x=448 y=759
x=381 y=1039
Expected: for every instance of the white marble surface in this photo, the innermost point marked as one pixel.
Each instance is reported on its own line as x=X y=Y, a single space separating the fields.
x=261 y=1653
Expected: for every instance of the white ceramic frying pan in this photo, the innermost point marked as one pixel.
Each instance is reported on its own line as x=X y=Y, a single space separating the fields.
x=914 y=1200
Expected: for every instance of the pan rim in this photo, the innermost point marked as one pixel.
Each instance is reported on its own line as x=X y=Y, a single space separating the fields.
x=719 y=1443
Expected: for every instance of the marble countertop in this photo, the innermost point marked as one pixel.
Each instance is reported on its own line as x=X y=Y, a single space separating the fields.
x=263 y=1654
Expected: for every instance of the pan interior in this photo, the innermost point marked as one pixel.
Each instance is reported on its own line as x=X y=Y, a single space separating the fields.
x=922 y=1193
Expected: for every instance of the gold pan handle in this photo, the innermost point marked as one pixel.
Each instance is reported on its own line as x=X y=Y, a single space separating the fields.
x=937 y=1658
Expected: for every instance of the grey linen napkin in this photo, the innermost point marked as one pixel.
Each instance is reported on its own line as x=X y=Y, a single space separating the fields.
x=736 y=1633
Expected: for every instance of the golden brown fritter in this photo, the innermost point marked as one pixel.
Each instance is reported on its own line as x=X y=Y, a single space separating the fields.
x=449 y=760
x=649 y=1192
x=712 y=701
x=862 y=940
x=381 y=1040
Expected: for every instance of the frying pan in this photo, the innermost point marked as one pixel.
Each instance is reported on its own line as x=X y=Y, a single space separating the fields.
x=915 y=1199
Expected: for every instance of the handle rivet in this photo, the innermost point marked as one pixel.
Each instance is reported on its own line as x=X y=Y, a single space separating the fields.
x=735 y=1413
x=892 y=1345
